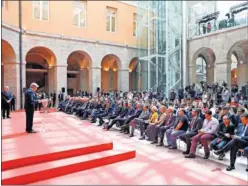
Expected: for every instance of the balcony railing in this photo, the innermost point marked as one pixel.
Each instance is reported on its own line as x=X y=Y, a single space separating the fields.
x=218 y=25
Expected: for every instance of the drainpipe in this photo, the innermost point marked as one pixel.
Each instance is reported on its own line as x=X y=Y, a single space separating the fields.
x=20 y=50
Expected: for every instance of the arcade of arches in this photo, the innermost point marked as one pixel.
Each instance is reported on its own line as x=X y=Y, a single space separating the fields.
x=203 y=63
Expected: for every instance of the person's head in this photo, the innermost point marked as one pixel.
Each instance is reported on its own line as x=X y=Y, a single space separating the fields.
x=170 y=110
x=34 y=86
x=162 y=109
x=225 y=110
x=195 y=112
x=226 y=120
x=130 y=105
x=241 y=111
x=145 y=108
x=138 y=105
x=208 y=114
x=154 y=109
x=244 y=118
x=6 y=88
x=181 y=112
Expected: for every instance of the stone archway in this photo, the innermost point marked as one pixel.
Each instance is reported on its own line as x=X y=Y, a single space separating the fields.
x=10 y=70
x=208 y=56
x=134 y=80
x=109 y=72
x=40 y=68
x=79 y=63
x=238 y=54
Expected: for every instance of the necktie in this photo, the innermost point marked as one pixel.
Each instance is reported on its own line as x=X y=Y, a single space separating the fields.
x=245 y=128
x=192 y=123
x=167 y=122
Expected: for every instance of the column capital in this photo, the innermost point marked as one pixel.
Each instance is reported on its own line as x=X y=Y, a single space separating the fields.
x=124 y=69
x=60 y=65
x=11 y=62
x=95 y=68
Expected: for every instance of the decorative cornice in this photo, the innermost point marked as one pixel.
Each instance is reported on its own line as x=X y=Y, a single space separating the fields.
x=61 y=37
x=216 y=32
x=9 y=27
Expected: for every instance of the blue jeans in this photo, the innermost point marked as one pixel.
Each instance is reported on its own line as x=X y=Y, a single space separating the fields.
x=171 y=135
x=218 y=145
x=246 y=151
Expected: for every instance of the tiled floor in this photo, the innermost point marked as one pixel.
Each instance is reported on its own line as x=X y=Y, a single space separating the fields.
x=152 y=165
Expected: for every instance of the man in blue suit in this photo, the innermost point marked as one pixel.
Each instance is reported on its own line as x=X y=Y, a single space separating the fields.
x=239 y=141
x=6 y=100
x=123 y=116
x=30 y=100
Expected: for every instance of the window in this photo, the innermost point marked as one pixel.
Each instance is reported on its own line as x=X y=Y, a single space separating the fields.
x=176 y=42
x=3 y=4
x=134 y=24
x=41 y=10
x=79 y=13
x=111 y=19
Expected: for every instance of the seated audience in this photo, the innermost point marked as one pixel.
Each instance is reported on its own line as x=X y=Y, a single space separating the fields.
x=226 y=130
x=239 y=141
x=207 y=133
x=177 y=130
x=194 y=126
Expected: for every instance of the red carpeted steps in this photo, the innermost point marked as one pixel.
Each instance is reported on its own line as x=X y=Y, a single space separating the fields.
x=64 y=167
x=21 y=162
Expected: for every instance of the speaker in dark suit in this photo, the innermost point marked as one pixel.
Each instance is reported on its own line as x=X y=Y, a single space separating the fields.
x=30 y=101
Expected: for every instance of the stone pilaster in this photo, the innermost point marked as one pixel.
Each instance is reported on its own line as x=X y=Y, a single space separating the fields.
x=123 y=80
x=95 y=73
x=61 y=78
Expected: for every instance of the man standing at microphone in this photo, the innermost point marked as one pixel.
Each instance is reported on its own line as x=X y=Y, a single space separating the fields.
x=30 y=100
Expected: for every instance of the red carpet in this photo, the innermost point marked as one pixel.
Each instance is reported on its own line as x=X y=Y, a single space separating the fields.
x=21 y=162
x=60 y=171
x=61 y=132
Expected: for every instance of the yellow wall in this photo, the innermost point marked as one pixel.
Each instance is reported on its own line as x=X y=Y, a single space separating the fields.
x=10 y=14
x=61 y=19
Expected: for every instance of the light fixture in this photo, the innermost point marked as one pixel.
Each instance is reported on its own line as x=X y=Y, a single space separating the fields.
x=114 y=69
x=130 y=70
x=106 y=69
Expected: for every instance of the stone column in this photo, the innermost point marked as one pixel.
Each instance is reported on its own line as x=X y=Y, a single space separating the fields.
x=192 y=74
x=60 y=72
x=11 y=77
x=123 y=80
x=83 y=79
x=51 y=88
x=95 y=73
x=242 y=74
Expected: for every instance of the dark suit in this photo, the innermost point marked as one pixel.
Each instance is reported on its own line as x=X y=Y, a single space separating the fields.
x=222 y=140
x=195 y=125
x=144 y=115
x=170 y=121
x=6 y=96
x=237 y=143
x=30 y=100
x=136 y=114
x=122 y=117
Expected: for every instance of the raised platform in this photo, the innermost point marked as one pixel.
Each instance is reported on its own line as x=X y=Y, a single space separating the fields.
x=65 y=138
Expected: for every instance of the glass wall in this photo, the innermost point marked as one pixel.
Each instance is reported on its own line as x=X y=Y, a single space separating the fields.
x=159 y=39
x=210 y=16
